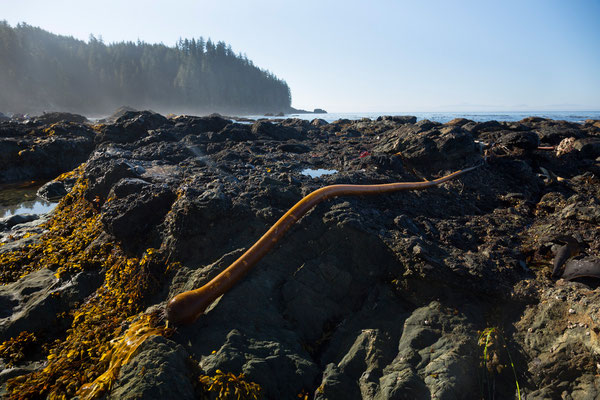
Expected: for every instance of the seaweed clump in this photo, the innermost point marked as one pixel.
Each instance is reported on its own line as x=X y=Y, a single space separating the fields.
x=225 y=386
x=66 y=246
x=75 y=242
x=14 y=350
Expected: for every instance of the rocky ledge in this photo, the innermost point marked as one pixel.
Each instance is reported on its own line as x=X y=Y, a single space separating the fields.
x=484 y=286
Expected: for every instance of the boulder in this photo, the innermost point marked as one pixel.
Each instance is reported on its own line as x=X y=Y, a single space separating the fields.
x=431 y=149
x=6 y=223
x=52 y=191
x=275 y=131
x=318 y=122
x=401 y=119
x=588 y=147
x=55 y=117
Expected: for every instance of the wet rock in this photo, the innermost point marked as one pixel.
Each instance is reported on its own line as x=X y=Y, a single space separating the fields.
x=32 y=303
x=158 y=371
x=52 y=191
x=7 y=223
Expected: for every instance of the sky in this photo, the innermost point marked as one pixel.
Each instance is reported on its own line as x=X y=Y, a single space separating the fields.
x=372 y=56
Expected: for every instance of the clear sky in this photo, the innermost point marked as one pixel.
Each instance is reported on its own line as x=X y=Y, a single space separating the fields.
x=378 y=55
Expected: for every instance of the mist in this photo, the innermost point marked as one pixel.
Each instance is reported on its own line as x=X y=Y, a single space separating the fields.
x=40 y=71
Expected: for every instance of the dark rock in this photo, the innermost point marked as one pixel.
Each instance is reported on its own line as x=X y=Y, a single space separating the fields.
x=119 y=112
x=402 y=119
x=54 y=117
x=382 y=296
x=234 y=132
x=530 y=120
x=488 y=126
x=42 y=152
x=425 y=125
x=588 y=147
x=525 y=140
x=297 y=123
x=128 y=186
x=431 y=149
x=102 y=177
x=52 y=191
x=274 y=131
x=189 y=125
x=458 y=122
x=318 y=122
x=131 y=126
x=142 y=207
x=319 y=111
x=294 y=148
x=7 y=223
x=33 y=302
x=552 y=133
x=158 y=371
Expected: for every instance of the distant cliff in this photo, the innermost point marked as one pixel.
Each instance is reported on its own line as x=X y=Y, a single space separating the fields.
x=40 y=71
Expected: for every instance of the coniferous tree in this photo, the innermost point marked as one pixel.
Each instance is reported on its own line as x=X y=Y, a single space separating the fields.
x=41 y=71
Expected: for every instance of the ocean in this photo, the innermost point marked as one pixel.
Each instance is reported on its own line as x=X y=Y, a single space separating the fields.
x=571 y=116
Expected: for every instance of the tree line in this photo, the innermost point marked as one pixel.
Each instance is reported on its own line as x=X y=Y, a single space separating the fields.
x=41 y=71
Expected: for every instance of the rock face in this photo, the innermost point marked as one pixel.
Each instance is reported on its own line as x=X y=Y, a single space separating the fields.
x=415 y=294
x=34 y=150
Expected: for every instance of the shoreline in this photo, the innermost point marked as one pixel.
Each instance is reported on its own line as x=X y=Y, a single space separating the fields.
x=158 y=206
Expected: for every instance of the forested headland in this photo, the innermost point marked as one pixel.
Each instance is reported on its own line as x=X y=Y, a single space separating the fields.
x=41 y=71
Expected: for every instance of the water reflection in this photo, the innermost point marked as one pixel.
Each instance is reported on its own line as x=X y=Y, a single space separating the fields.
x=21 y=198
x=315 y=173
x=38 y=206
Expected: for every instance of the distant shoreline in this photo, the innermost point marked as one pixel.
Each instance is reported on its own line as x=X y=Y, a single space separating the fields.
x=443 y=117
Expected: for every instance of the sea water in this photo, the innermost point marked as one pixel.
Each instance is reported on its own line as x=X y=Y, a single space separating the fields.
x=443 y=117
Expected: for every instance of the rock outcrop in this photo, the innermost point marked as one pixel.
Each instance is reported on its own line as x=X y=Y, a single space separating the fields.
x=444 y=293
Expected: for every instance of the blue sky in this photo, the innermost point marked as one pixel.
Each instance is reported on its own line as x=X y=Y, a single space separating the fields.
x=381 y=55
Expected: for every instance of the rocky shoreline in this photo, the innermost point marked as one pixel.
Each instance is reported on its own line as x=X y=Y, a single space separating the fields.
x=444 y=293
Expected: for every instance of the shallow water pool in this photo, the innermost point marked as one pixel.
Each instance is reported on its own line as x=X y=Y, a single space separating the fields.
x=21 y=198
x=316 y=173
